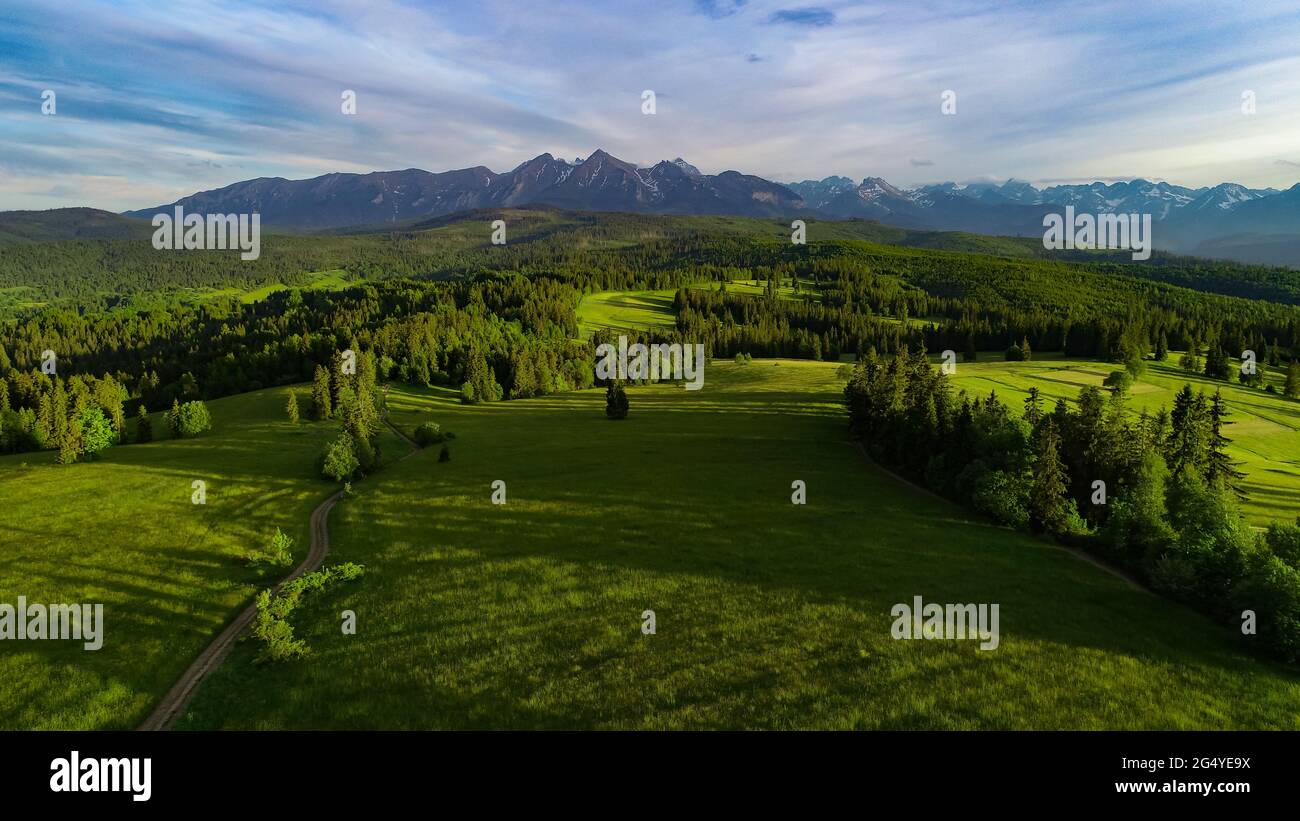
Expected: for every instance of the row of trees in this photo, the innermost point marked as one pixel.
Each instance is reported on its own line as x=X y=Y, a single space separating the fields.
x=1156 y=493
x=348 y=390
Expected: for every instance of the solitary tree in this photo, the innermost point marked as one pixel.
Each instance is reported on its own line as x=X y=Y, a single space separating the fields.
x=291 y=408
x=616 y=401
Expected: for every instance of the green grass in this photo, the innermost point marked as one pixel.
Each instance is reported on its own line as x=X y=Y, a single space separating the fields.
x=1265 y=429
x=642 y=310
x=626 y=310
x=528 y=615
x=122 y=531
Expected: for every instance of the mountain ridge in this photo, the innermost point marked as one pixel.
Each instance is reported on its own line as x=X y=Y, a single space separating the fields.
x=1188 y=220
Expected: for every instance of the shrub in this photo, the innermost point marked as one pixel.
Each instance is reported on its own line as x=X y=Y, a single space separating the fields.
x=96 y=432
x=429 y=433
x=1272 y=590
x=279 y=553
x=616 y=401
x=1283 y=540
x=1119 y=381
x=339 y=462
x=444 y=455
x=271 y=625
x=1004 y=497
x=189 y=419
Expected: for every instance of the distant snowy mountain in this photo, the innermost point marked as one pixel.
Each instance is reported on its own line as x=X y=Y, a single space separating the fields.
x=1216 y=220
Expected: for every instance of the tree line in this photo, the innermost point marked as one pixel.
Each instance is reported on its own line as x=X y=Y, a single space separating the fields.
x=1155 y=493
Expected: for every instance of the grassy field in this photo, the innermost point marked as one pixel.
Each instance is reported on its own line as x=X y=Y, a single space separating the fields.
x=1265 y=429
x=122 y=531
x=626 y=310
x=639 y=310
x=769 y=614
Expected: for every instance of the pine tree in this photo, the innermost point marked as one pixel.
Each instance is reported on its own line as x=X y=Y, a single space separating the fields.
x=1047 y=507
x=1292 y=389
x=1220 y=470
x=174 y=419
x=1033 y=407
x=1186 y=445
x=143 y=427
x=291 y=407
x=322 y=406
x=1024 y=348
x=616 y=404
x=1162 y=348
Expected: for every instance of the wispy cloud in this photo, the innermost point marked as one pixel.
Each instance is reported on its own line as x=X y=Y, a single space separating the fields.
x=719 y=8
x=159 y=100
x=803 y=17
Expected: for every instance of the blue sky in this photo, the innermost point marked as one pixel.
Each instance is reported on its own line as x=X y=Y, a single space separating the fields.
x=157 y=100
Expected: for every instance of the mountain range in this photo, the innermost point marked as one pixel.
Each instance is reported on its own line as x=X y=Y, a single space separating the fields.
x=1227 y=220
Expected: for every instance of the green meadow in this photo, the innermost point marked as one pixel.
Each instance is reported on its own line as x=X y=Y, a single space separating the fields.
x=626 y=310
x=123 y=531
x=1265 y=429
x=641 y=310
x=768 y=614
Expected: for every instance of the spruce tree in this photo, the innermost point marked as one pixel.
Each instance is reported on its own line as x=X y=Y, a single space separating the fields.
x=616 y=401
x=1033 y=407
x=143 y=427
x=1292 y=389
x=1220 y=470
x=291 y=407
x=322 y=406
x=174 y=419
x=1047 y=508
x=1186 y=446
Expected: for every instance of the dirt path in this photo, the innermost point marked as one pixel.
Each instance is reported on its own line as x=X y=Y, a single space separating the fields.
x=173 y=704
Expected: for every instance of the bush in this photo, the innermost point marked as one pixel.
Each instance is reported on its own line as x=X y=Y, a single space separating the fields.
x=444 y=455
x=616 y=401
x=1284 y=541
x=279 y=553
x=96 y=432
x=189 y=419
x=429 y=433
x=1004 y=497
x=1119 y=381
x=272 y=622
x=1015 y=353
x=339 y=462
x=1272 y=590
